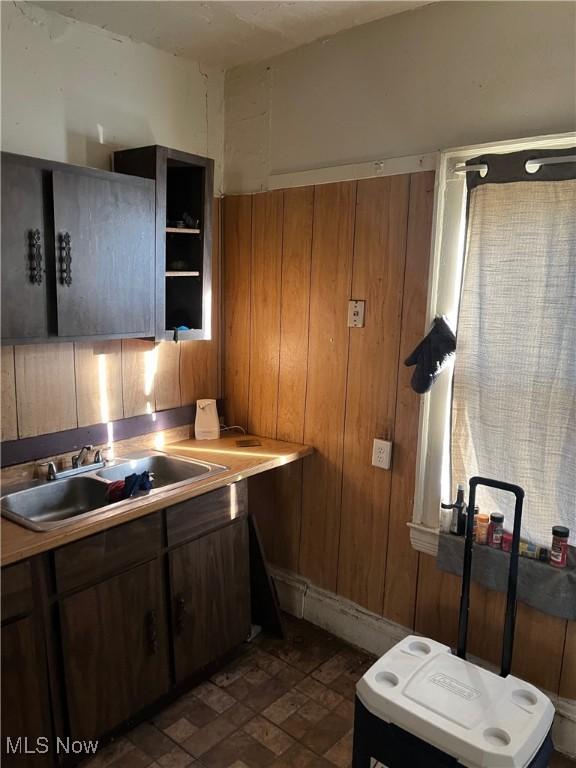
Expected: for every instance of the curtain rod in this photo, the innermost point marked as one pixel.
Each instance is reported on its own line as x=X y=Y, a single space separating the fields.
x=531 y=165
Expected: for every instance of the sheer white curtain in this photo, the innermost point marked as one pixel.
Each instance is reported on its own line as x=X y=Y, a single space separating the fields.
x=514 y=396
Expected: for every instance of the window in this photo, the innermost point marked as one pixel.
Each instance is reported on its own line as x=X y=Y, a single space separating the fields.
x=526 y=436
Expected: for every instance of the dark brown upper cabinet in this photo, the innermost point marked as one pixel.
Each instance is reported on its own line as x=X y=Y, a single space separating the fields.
x=108 y=285
x=78 y=255
x=24 y=234
x=184 y=192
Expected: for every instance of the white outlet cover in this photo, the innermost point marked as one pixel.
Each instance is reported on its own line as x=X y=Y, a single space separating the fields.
x=356 y=313
x=381 y=453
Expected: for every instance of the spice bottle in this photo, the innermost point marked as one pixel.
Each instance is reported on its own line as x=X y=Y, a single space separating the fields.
x=495 y=530
x=544 y=555
x=506 y=541
x=482 y=528
x=533 y=551
x=474 y=524
x=559 y=551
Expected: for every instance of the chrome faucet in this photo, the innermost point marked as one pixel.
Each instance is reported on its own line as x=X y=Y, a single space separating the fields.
x=51 y=472
x=78 y=466
x=78 y=459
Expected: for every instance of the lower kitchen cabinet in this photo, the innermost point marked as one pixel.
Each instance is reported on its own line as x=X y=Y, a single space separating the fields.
x=25 y=714
x=114 y=647
x=100 y=631
x=210 y=589
x=26 y=721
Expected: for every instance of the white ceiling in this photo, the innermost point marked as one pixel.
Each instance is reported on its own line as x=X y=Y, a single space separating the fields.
x=223 y=33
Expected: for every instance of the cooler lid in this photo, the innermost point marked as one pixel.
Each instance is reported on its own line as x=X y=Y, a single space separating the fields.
x=482 y=719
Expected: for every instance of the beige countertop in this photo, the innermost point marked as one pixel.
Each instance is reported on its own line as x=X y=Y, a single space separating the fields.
x=18 y=543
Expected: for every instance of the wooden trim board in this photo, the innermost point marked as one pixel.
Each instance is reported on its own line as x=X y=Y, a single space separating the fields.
x=391 y=166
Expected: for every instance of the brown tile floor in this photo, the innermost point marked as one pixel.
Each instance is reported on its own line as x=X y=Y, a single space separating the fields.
x=280 y=704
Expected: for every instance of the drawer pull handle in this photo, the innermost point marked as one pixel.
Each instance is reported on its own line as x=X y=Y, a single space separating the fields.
x=65 y=259
x=180 y=614
x=35 y=257
x=152 y=628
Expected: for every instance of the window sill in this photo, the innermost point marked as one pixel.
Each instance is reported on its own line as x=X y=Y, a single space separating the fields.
x=424 y=539
x=540 y=585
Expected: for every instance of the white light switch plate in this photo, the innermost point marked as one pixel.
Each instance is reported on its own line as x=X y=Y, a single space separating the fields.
x=381 y=453
x=356 y=313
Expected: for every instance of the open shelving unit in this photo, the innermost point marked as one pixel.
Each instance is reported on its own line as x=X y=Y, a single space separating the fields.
x=184 y=192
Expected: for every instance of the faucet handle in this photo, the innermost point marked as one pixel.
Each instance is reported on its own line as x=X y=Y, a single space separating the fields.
x=51 y=471
x=77 y=458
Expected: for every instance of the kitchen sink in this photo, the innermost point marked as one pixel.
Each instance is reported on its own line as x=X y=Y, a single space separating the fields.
x=165 y=470
x=58 y=503
x=51 y=504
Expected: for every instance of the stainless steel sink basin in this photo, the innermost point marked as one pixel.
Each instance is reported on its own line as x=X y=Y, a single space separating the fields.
x=48 y=506
x=166 y=470
x=58 y=503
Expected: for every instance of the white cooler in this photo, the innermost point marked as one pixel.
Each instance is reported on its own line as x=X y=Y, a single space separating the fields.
x=481 y=719
x=421 y=706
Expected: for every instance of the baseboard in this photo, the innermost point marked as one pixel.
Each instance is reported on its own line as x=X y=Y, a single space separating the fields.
x=375 y=634
x=564 y=732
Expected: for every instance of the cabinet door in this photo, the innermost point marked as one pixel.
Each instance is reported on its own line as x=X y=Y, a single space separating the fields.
x=24 y=302
x=104 y=230
x=211 y=597
x=115 y=650
x=24 y=696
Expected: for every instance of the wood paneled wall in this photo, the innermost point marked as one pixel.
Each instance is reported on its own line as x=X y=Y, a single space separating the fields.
x=293 y=369
x=53 y=387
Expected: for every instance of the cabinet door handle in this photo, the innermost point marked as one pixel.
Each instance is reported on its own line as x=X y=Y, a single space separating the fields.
x=35 y=257
x=180 y=614
x=65 y=259
x=152 y=630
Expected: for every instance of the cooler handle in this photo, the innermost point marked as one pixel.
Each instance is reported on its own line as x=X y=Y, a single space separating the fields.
x=510 y=618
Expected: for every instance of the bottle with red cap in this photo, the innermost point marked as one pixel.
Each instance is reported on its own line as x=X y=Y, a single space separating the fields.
x=559 y=551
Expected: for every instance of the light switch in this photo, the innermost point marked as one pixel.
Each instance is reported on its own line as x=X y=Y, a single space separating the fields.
x=356 y=313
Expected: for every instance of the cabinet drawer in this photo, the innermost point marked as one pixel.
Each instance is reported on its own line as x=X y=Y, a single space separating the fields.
x=197 y=516
x=16 y=590
x=104 y=554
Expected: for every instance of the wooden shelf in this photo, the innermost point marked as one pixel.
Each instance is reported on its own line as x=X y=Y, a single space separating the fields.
x=182 y=274
x=182 y=231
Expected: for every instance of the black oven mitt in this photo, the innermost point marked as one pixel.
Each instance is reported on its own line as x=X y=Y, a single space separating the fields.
x=431 y=355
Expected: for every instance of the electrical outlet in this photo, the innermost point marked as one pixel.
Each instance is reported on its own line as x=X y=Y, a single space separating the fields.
x=381 y=453
x=356 y=313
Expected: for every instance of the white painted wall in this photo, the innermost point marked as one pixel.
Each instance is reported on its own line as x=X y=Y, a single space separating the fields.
x=441 y=76
x=75 y=93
